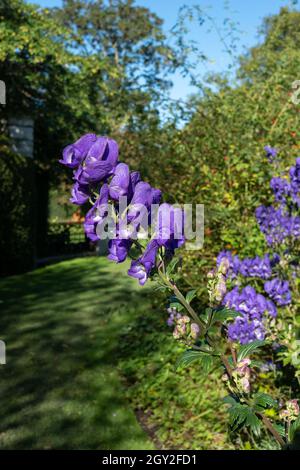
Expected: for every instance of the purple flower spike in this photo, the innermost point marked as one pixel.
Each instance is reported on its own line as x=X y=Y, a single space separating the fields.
x=141 y=268
x=80 y=194
x=120 y=182
x=118 y=250
x=74 y=154
x=295 y=182
x=281 y=189
x=279 y=291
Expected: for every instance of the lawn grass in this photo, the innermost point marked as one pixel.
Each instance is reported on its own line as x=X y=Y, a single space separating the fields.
x=86 y=347
x=61 y=388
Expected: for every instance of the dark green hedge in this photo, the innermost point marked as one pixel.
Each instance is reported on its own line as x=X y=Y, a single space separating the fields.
x=17 y=212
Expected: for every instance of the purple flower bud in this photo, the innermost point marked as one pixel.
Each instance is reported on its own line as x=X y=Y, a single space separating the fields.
x=195 y=330
x=141 y=268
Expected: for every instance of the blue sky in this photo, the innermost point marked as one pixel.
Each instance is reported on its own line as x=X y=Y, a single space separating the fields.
x=248 y=13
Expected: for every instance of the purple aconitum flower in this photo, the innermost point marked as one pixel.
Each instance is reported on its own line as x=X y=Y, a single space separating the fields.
x=170 y=227
x=279 y=291
x=244 y=331
x=281 y=189
x=256 y=267
x=80 y=194
x=276 y=225
x=141 y=268
x=119 y=185
x=271 y=153
x=253 y=308
x=74 y=154
x=139 y=209
x=118 y=249
x=295 y=177
x=232 y=261
x=135 y=178
x=99 y=163
x=96 y=214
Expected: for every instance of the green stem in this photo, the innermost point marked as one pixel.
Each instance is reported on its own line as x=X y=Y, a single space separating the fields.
x=183 y=301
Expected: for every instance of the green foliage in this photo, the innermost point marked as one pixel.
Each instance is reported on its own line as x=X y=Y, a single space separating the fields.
x=222 y=315
x=206 y=362
x=243 y=415
x=263 y=400
x=17 y=209
x=218 y=157
x=179 y=405
x=247 y=349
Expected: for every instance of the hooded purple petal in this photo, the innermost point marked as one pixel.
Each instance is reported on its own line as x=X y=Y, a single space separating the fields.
x=118 y=250
x=80 y=194
x=74 y=154
x=120 y=182
x=170 y=226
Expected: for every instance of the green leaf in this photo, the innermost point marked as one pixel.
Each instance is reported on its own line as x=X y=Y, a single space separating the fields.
x=264 y=400
x=223 y=315
x=253 y=421
x=229 y=400
x=177 y=305
x=172 y=265
x=279 y=428
x=294 y=429
x=191 y=295
x=249 y=348
x=188 y=357
x=237 y=415
x=242 y=415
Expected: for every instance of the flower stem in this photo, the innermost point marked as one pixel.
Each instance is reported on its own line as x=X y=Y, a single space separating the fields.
x=272 y=430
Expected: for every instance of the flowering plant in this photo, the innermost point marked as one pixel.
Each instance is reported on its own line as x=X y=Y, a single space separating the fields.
x=245 y=322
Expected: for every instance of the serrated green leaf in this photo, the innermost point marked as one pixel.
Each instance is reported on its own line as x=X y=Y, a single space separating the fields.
x=223 y=315
x=229 y=400
x=191 y=295
x=172 y=265
x=188 y=357
x=264 y=400
x=252 y=421
x=242 y=415
x=237 y=416
x=249 y=348
x=294 y=429
x=177 y=305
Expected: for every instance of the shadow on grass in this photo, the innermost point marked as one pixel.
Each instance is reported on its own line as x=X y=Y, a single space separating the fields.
x=60 y=387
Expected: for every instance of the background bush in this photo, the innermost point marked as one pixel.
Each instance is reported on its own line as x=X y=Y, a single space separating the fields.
x=17 y=209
